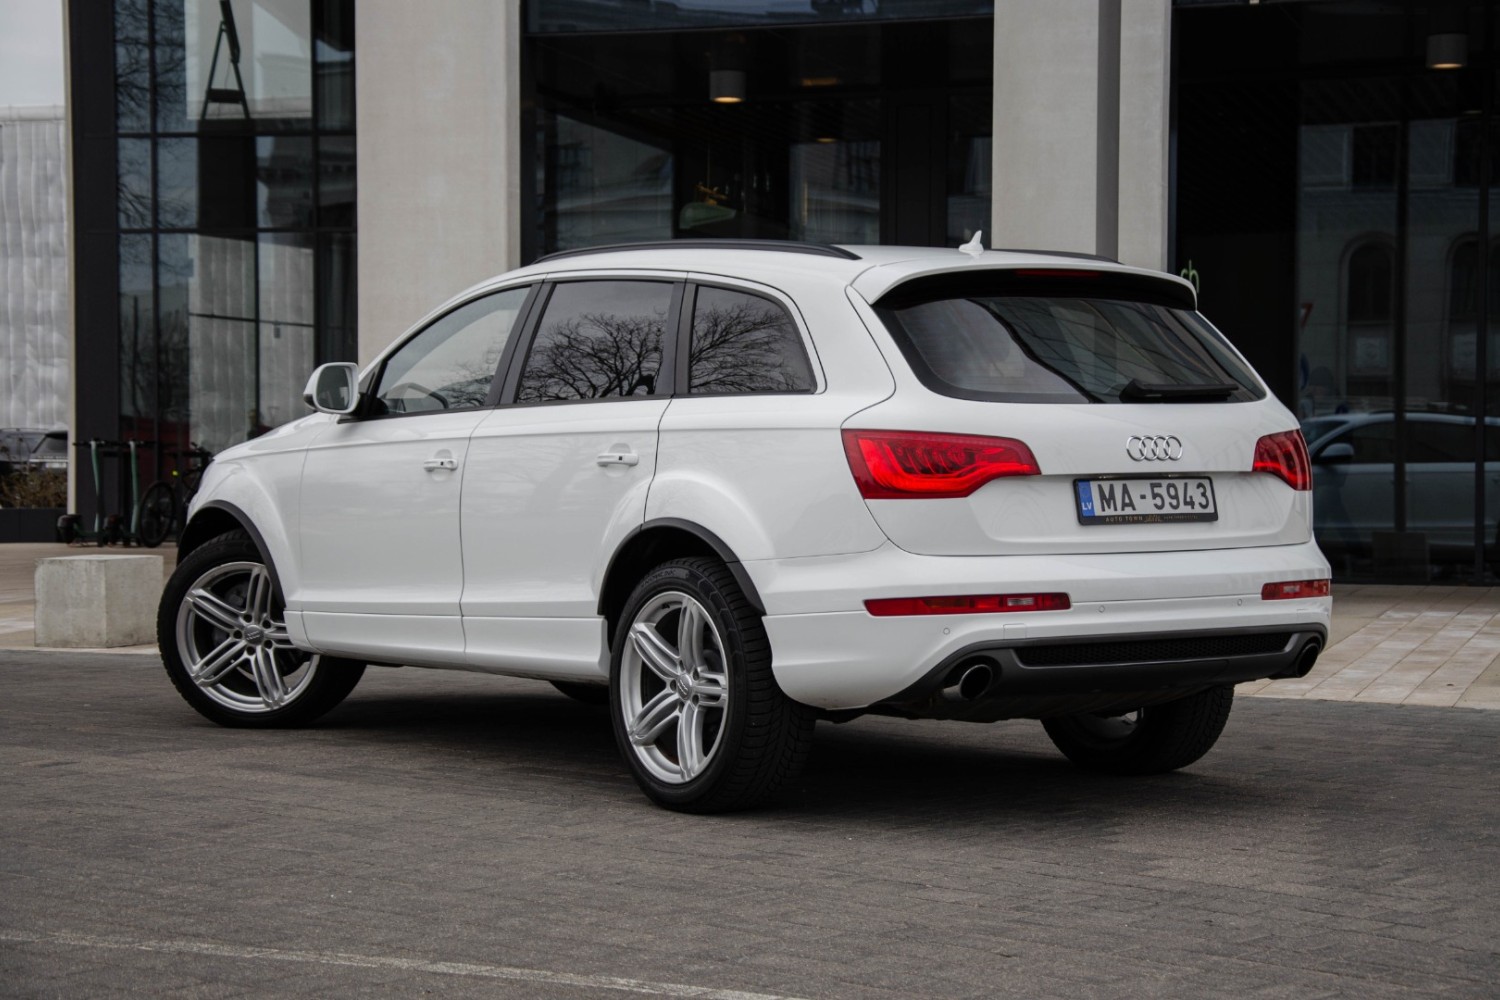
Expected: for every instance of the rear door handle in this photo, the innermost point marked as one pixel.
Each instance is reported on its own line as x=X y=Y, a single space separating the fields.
x=436 y=464
x=618 y=458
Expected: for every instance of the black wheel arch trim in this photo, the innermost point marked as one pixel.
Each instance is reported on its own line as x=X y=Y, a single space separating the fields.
x=244 y=522
x=713 y=541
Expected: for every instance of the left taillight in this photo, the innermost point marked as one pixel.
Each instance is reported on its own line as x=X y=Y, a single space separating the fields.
x=901 y=465
x=1284 y=455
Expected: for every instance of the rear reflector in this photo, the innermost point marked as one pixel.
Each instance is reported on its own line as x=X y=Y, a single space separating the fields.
x=1284 y=455
x=901 y=465
x=975 y=604
x=1293 y=589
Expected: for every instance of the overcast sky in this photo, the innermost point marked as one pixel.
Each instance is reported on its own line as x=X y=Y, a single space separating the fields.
x=31 y=52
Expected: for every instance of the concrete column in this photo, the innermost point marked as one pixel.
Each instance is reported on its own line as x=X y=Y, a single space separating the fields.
x=1080 y=127
x=438 y=96
x=1145 y=128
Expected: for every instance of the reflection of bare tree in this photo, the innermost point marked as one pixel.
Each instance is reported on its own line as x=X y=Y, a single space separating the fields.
x=743 y=347
x=594 y=356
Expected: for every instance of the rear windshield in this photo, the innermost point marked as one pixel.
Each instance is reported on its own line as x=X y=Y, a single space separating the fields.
x=1009 y=339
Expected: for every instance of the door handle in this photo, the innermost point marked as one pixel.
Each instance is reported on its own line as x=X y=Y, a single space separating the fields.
x=618 y=458
x=436 y=464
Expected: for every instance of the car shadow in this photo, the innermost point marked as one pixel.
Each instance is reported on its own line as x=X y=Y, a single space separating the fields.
x=873 y=769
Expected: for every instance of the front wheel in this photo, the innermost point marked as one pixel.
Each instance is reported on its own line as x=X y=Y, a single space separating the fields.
x=1150 y=740
x=697 y=712
x=224 y=642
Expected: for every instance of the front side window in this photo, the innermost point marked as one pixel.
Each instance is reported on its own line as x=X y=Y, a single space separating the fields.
x=745 y=343
x=451 y=364
x=1004 y=338
x=597 y=340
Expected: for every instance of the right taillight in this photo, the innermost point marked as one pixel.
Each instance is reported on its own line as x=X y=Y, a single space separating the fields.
x=1285 y=455
x=898 y=465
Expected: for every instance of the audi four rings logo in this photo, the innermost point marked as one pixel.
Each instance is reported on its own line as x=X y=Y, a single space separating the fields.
x=1157 y=448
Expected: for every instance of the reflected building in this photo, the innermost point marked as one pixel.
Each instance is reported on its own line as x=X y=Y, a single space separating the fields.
x=1320 y=168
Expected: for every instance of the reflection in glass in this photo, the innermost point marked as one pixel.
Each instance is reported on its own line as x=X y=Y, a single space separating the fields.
x=233 y=60
x=284 y=181
x=835 y=191
x=970 y=176
x=569 y=15
x=336 y=181
x=138 y=354
x=285 y=342
x=333 y=20
x=603 y=187
x=177 y=183
x=133 y=183
x=451 y=365
x=338 y=335
x=597 y=339
x=132 y=67
x=745 y=343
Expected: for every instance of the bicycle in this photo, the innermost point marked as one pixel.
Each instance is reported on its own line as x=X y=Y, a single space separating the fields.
x=165 y=501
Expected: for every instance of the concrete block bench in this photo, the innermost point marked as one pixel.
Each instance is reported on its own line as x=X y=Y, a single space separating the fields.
x=95 y=601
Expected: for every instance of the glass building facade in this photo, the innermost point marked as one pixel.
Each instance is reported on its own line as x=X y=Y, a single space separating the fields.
x=1334 y=191
x=230 y=165
x=826 y=122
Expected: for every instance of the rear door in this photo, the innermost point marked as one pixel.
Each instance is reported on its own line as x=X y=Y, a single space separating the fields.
x=558 y=474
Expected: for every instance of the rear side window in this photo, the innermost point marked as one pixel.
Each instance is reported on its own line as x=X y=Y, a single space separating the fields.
x=996 y=337
x=745 y=343
x=597 y=340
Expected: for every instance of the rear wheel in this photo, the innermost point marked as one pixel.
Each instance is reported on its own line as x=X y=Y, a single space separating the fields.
x=224 y=642
x=1150 y=740
x=697 y=713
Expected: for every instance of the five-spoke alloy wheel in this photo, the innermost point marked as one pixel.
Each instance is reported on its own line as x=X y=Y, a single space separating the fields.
x=224 y=642
x=696 y=710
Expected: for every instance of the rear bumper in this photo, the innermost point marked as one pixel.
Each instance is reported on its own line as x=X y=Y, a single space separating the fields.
x=840 y=657
x=1043 y=677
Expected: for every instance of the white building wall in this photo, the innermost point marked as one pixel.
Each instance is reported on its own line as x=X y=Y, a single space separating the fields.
x=438 y=97
x=35 y=339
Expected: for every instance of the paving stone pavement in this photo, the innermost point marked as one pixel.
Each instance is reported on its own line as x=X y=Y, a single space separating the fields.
x=1414 y=645
x=463 y=836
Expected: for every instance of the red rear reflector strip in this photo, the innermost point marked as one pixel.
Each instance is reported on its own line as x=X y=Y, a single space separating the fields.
x=975 y=604
x=1284 y=455
x=1294 y=589
x=902 y=465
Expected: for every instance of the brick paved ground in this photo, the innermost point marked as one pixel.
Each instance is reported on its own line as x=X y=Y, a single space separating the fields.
x=453 y=835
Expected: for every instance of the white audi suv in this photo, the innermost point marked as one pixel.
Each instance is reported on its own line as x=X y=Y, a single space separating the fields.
x=729 y=488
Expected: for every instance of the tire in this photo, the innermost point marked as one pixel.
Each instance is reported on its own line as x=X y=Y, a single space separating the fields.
x=709 y=731
x=158 y=514
x=588 y=694
x=224 y=643
x=1150 y=740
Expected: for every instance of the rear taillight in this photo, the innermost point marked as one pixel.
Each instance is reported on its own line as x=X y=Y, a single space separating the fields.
x=1285 y=455
x=974 y=604
x=1293 y=589
x=898 y=465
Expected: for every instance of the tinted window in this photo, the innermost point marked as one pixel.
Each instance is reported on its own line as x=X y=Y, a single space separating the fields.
x=451 y=364
x=1426 y=441
x=997 y=340
x=597 y=340
x=745 y=343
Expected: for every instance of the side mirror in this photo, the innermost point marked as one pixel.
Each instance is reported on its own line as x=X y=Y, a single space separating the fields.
x=333 y=388
x=1339 y=453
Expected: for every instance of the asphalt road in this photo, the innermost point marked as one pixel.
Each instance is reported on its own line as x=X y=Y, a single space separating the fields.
x=462 y=836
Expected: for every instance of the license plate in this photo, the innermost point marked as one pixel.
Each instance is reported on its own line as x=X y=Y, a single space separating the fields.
x=1145 y=501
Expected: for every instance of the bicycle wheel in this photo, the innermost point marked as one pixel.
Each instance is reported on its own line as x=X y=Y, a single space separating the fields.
x=158 y=514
